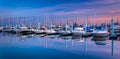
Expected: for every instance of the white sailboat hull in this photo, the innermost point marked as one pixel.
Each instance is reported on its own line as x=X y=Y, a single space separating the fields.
x=64 y=32
x=100 y=33
x=77 y=33
x=50 y=32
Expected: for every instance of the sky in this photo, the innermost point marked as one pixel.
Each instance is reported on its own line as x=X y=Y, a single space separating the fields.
x=93 y=9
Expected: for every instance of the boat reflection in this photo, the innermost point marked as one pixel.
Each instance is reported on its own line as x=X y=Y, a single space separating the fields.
x=60 y=42
x=112 y=47
x=65 y=38
x=77 y=38
x=50 y=36
x=85 y=44
x=100 y=40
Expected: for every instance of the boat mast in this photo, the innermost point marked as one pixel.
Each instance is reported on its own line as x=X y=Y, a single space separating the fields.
x=112 y=41
x=45 y=19
x=66 y=26
x=9 y=22
x=1 y=21
x=51 y=24
x=71 y=25
x=39 y=23
x=112 y=26
x=106 y=26
x=94 y=22
x=85 y=25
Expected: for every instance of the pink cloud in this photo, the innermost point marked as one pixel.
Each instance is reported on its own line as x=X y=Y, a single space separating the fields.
x=104 y=9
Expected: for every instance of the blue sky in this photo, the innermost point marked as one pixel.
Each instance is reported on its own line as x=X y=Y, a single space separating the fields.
x=34 y=3
x=81 y=8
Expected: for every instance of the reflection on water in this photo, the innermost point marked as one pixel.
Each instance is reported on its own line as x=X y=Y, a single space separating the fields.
x=101 y=40
x=56 y=46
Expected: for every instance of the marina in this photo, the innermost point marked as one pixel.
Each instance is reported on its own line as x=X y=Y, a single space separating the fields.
x=59 y=29
x=68 y=41
x=66 y=29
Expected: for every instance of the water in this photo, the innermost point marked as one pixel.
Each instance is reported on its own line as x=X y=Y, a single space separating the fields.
x=56 y=47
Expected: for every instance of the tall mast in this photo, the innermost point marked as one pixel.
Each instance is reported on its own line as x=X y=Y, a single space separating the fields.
x=71 y=25
x=66 y=26
x=39 y=23
x=112 y=26
x=94 y=21
x=45 y=19
x=2 y=21
x=51 y=24
x=9 y=25
x=106 y=26
x=112 y=42
x=85 y=25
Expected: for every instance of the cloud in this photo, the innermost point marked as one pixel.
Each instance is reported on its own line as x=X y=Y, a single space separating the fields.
x=81 y=9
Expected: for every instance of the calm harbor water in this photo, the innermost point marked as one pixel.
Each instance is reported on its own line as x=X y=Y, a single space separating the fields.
x=57 y=47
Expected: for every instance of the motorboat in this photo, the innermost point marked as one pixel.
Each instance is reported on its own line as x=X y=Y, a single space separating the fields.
x=65 y=31
x=78 y=31
x=39 y=31
x=50 y=31
x=100 y=33
x=25 y=31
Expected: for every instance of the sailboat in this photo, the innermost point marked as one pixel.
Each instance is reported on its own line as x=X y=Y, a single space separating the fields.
x=12 y=30
x=116 y=29
x=100 y=32
x=26 y=31
x=58 y=27
x=39 y=30
x=50 y=30
x=78 y=31
x=82 y=30
x=15 y=29
x=7 y=27
x=65 y=31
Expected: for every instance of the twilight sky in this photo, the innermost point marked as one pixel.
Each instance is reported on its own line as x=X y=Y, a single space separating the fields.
x=103 y=9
